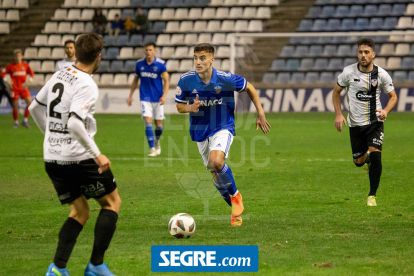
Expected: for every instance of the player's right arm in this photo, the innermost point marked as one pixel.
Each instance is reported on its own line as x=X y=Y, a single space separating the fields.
x=134 y=85
x=336 y=98
x=38 y=108
x=186 y=108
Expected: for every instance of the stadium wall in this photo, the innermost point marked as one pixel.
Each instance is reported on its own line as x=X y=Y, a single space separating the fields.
x=113 y=101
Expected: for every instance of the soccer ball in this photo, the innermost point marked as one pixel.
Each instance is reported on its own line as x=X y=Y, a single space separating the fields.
x=181 y=225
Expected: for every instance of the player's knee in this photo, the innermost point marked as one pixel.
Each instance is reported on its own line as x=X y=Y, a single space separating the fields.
x=81 y=216
x=216 y=164
x=358 y=164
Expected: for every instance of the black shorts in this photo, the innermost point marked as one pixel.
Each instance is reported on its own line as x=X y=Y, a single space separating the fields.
x=72 y=179
x=363 y=137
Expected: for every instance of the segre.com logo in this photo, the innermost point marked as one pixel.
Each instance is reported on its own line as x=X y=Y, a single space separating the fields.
x=205 y=258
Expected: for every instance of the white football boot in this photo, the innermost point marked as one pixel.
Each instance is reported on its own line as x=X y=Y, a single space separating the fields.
x=153 y=152
x=157 y=146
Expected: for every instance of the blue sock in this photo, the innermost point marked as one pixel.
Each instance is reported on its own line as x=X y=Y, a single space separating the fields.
x=158 y=132
x=226 y=177
x=223 y=191
x=150 y=134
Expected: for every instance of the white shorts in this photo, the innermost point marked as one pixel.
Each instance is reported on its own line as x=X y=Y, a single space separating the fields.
x=153 y=110
x=220 y=141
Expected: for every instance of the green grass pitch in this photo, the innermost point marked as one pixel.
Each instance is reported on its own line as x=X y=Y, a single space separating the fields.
x=304 y=198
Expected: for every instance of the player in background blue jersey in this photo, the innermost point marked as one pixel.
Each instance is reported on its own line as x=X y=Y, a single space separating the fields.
x=208 y=95
x=152 y=92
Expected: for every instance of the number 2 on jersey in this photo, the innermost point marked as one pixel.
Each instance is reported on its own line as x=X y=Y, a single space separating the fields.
x=58 y=86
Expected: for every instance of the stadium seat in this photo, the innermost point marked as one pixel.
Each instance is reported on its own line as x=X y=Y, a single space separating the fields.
x=347 y=24
x=236 y=12
x=411 y=76
x=292 y=65
x=361 y=24
x=190 y=39
x=402 y=49
x=96 y=78
x=398 y=9
x=384 y=10
x=30 y=53
x=172 y=27
x=287 y=51
x=44 y=53
x=200 y=26
x=257 y=2
x=390 y=23
x=255 y=26
x=40 y=40
x=175 y=78
x=321 y=64
x=109 y=3
x=149 y=38
x=216 y=2
x=315 y=50
x=349 y=61
x=381 y=62
x=96 y=3
x=159 y=27
x=283 y=78
x=333 y=24
x=126 y=53
x=167 y=14
x=222 y=13
x=177 y=39
x=84 y=3
x=327 y=11
x=186 y=65
x=87 y=14
x=227 y=26
x=312 y=77
x=305 y=25
x=35 y=65
x=376 y=23
x=218 y=38
x=191 y=53
x=154 y=14
x=129 y=66
x=341 y=11
x=399 y=76
x=326 y=77
x=186 y=26
x=410 y=9
x=319 y=25
x=213 y=26
x=335 y=64
x=208 y=13
x=139 y=52
x=121 y=79
x=2 y=15
x=22 y=4
x=8 y=4
x=48 y=77
x=112 y=13
x=407 y=63
x=404 y=23
x=163 y=39
x=135 y=40
x=241 y=25
x=230 y=2
x=195 y=13
x=306 y=64
x=74 y=14
x=204 y=38
x=387 y=49
x=50 y=27
x=60 y=14
x=109 y=40
x=181 y=14
x=64 y=27
x=314 y=12
x=121 y=40
x=123 y=3
x=167 y=52
x=370 y=10
x=343 y=50
x=356 y=10
x=111 y=53
x=116 y=66
x=58 y=53
x=297 y=78
x=393 y=63
x=106 y=79
x=77 y=27
x=301 y=51
x=172 y=65
x=278 y=65
x=189 y=3
x=104 y=66
x=181 y=52
x=225 y=65
x=329 y=50
x=269 y=78
x=38 y=79
x=222 y=52
x=127 y=12
x=69 y=3
x=48 y=66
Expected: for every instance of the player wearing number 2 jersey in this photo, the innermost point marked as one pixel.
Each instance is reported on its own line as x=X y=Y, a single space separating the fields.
x=72 y=159
x=363 y=82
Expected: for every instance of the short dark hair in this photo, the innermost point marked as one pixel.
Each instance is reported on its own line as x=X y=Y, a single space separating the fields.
x=116 y=15
x=368 y=42
x=69 y=41
x=88 y=47
x=206 y=47
x=150 y=44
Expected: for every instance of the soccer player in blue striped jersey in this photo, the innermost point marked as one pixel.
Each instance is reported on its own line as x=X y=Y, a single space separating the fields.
x=208 y=95
x=153 y=91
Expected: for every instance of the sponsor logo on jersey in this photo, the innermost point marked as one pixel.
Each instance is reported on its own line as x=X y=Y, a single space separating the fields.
x=374 y=82
x=155 y=68
x=85 y=106
x=211 y=102
x=217 y=89
x=68 y=69
x=363 y=96
x=149 y=75
x=356 y=80
x=178 y=91
x=194 y=91
x=58 y=127
x=142 y=68
x=19 y=73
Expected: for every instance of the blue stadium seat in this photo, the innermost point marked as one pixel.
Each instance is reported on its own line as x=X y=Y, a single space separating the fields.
x=112 y=53
x=329 y=50
x=137 y=3
x=333 y=24
x=376 y=23
x=335 y=64
x=283 y=78
x=292 y=65
x=127 y=12
x=407 y=63
x=304 y=25
x=349 y=61
x=116 y=65
x=370 y=10
x=103 y=66
x=327 y=11
x=203 y=3
x=315 y=50
x=135 y=40
x=287 y=51
x=390 y=23
x=296 y=40
x=326 y=77
x=122 y=40
x=269 y=78
x=399 y=76
x=314 y=12
x=306 y=64
x=324 y=2
x=149 y=3
x=278 y=64
x=190 y=3
x=158 y=27
x=176 y=3
x=163 y=3
x=301 y=51
x=411 y=76
x=361 y=24
x=347 y=24
x=150 y=38
x=399 y=9
x=312 y=77
x=384 y=10
x=297 y=78
x=356 y=10
x=324 y=40
x=342 y=11
x=129 y=66
x=109 y=40
x=319 y=25
x=344 y=51
x=321 y=64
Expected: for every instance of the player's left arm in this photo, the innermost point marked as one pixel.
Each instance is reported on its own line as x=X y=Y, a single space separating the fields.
x=30 y=79
x=166 y=86
x=38 y=109
x=391 y=103
x=261 y=118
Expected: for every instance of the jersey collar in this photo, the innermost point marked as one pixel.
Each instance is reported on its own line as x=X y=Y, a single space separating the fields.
x=213 y=78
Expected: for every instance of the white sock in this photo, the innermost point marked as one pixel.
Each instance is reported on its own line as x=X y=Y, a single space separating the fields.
x=235 y=194
x=16 y=122
x=25 y=120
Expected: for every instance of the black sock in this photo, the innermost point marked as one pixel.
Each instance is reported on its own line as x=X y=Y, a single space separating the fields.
x=375 y=172
x=368 y=159
x=104 y=230
x=67 y=239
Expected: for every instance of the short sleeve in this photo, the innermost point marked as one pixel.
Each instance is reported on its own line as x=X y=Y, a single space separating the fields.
x=137 y=73
x=163 y=68
x=386 y=85
x=29 y=70
x=181 y=93
x=238 y=83
x=41 y=97
x=82 y=100
x=343 y=80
